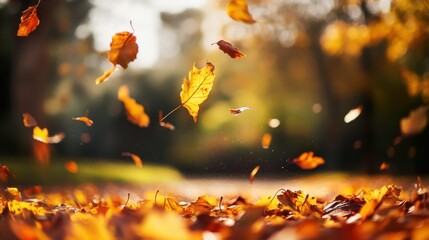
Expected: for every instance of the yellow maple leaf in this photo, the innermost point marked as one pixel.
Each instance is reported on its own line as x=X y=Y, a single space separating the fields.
x=197 y=88
x=238 y=11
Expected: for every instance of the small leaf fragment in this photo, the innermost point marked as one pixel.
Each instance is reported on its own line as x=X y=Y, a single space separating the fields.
x=165 y=124
x=5 y=173
x=237 y=111
x=352 y=114
x=227 y=48
x=384 y=166
x=85 y=120
x=28 y=120
x=307 y=161
x=105 y=76
x=253 y=173
x=137 y=160
x=238 y=11
x=29 y=21
x=42 y=135
x=71 y=166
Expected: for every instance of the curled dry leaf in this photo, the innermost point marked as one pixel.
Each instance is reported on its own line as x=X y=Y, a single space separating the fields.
x=384 y=166
x=266 y=140
x=135 y=112
x=137 y=160
x=237 y=111
x=85 y=120
x=415 y=122
x=123 y=50
x=227 y=48
x=42 y=135
x=238 y=11
x=253 y=173
x=196 y=90
x=71 y=166
x=165 y=124
x=28 y=120
x=29 y=21
x=307 y=161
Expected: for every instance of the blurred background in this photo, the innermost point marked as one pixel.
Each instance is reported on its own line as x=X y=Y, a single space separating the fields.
x=308 y=63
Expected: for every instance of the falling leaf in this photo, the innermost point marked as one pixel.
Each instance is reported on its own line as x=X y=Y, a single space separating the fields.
x=266 y=140
x=238 y=11
x=307 y=161
x=237 y=111
x=253 y=173
x=5 y=173
x=137 y=160
x=384 y=166
x=227 y=48
x=415 y=122
x=123 y=50
x=135 y=111
x=42 y=135
x=165 y=124
x=28 y=120
x=29 y=21
x=352 y=114
x=71 y=166
x=42 y=152
x=85 y=120
x=197 y=88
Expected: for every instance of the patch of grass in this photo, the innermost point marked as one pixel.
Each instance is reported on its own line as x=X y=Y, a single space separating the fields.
x=90 y=170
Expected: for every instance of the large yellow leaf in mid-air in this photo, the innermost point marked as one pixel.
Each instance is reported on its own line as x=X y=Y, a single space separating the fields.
x=197 y=88
x=123 y=50
x=238 y=11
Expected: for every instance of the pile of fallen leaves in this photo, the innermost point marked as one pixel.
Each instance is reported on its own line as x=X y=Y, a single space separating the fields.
x=88 y=213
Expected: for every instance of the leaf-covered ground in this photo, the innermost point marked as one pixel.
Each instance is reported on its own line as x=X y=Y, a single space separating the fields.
x=313 y=207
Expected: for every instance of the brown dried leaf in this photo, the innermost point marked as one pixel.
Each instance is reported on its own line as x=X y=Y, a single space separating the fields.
x=137 y=160
x=227 y=48
x=85 y=120
x=29 y=21
x=28 y=120
x=307 y=161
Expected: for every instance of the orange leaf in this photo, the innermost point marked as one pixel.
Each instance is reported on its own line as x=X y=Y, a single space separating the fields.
x=29 y=21
x=227 y=48
x=123 y=50
x=5 y=173
x=42 y=135
x=266 y=140
x=137 y=160
x=415 y=122
x=368 y=209
x=42 y=152
x=165 y=124
x=85 y=120
x=196 y=90
x=135 y=111
x=238 y=11
x=253 y=173
x=105 y=75
x=307 y=161
x=71 y=166
x=237 y=111
x=28 y=120
x=353 y=114
x=384 y=166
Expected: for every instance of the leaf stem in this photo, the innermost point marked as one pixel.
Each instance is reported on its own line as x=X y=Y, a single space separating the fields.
x=37 y=3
